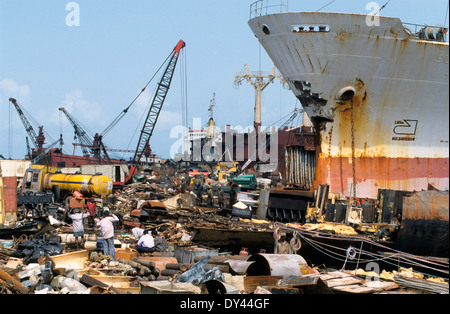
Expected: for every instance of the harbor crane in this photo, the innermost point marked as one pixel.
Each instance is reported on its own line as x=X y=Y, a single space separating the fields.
x=39 y=153
x=88 y=144
x=38 y=140
x=95 y=145
x=294 y=115
x=38 y=158
x=143 y=145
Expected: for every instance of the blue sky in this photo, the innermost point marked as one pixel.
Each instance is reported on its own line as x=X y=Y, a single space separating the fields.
x=96 y=69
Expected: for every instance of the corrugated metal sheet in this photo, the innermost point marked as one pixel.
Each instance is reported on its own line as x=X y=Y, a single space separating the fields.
x=300 y=167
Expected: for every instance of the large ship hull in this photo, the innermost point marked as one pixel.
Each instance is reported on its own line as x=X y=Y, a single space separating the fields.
x=378 y=98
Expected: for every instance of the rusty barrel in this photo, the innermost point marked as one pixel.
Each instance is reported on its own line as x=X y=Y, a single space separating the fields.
x=158 y=261
x=277 y=265
x=177 y=266
x=170 y=272
x=145 y=262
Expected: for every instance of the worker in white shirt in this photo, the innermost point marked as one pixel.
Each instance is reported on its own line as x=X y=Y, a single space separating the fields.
x=77 y=224
x=107 y=228
x=137 y=233
x=146 y=243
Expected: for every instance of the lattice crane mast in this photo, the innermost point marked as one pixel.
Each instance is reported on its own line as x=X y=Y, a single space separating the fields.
x=38 y=140
x=45 y=152
x=295 y=114
x=88 y=145
x=143 y=146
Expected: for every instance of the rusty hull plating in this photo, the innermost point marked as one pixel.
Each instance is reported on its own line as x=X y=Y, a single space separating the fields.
x=377 y=96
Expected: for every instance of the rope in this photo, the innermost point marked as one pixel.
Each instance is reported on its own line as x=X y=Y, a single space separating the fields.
x=406 y=258
x=325 y=5
x=122 y=113
x=351 y=254
x=297 y=243
x=148 y=104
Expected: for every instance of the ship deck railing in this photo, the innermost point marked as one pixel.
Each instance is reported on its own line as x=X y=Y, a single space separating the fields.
x=262 y=7
x=426 y=32
x=419 y=31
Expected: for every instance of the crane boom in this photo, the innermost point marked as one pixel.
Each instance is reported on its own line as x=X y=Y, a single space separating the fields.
x=291 y=118
x=80 y=133
x=108 y=149
x=157 y=103
x=37 y=140
x=95 y=145
x=44 y=153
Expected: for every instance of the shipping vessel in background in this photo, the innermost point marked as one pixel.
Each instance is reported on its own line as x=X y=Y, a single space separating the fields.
x=377 y=92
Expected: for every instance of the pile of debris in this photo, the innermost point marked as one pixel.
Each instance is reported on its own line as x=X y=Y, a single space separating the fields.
x=44 y=278
x=174 y=215
x=198 y=271
x=192 y=263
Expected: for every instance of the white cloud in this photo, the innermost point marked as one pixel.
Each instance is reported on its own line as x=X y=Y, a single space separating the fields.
x=12 y=142
x=83 y=109
x=88 y=113
x=167 y=119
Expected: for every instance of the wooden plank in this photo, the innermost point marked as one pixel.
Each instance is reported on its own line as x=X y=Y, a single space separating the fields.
x=343 y=281
x=339 y=273
x=333 y=275
x=328 y=277
x=354 y=289
x=381 y=285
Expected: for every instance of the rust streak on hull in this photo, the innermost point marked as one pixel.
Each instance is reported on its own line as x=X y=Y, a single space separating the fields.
x=371 y=174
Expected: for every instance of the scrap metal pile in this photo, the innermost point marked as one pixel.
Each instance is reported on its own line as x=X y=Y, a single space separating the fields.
x=176 y=215
x=194 y=262
x=88 y=272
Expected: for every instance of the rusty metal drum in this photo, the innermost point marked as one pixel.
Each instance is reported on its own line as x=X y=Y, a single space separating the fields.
x=277 y=265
